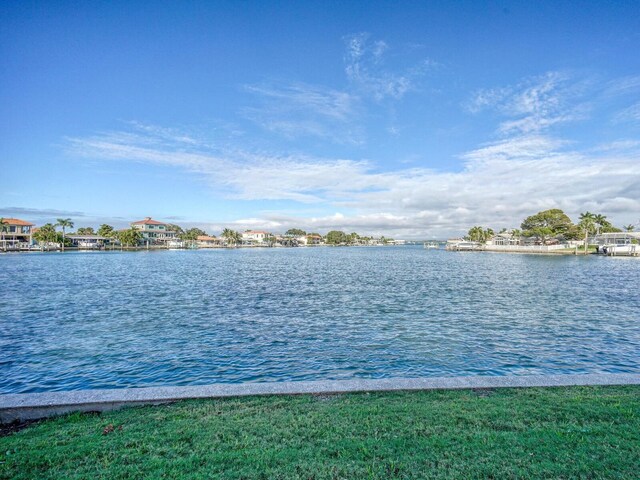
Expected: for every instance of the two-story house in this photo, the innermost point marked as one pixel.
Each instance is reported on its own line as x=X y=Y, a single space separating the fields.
x=154 y=232
x=255 y=236
x=14 y=231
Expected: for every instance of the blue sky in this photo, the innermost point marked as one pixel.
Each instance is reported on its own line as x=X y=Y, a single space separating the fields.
x=409 y=119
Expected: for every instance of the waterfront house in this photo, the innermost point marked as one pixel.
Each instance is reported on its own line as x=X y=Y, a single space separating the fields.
x=616 y=238
x=88 y=242
x=154 y=232
x=314 y=239
x=309 y=239
x=504 y=239
x=253 y=237
x=15 y=233
x=206 y=241
x=617 y=243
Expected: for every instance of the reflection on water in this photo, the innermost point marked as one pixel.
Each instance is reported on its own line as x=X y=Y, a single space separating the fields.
x=108 y=320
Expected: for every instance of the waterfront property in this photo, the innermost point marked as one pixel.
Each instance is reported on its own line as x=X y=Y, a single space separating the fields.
x=207 y=241
x=155 y=232
x=255 y=237
x=15 y=234
x=309 y=240
x=618 y=243
x=505 y=239
x=88 y=242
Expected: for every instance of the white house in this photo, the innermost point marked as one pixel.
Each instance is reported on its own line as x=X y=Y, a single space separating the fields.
x=504 y=239
x=255 y=236
x=617 y=238
x=155 y=232
x=87 y=242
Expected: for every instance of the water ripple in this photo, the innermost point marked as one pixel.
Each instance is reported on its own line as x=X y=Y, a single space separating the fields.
x=114 y=320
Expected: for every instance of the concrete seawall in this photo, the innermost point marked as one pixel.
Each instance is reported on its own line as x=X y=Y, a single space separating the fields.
x=31 y=406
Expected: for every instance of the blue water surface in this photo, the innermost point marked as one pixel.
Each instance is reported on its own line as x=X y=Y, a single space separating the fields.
x=78 y=320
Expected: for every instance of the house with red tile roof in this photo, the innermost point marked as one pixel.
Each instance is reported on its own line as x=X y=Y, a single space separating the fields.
x=309 y=239
x=155 y=232
x=207 y=241
x=14 y=231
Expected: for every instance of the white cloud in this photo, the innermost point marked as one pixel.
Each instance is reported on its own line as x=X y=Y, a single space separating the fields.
x=500 y=183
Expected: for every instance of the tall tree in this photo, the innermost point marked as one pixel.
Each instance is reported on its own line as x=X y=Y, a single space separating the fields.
x=47 y=234
x=64 y=223
x=547 y=224
x=85 y=231
x=130 y=237
x=231 y=236
x=105 y=230
x=629 y=228
x=479 y=234
x=4 y=228
x=588 y=226
x=295 y=232
x=172 y=227
x=336 y=237
x=192 y=234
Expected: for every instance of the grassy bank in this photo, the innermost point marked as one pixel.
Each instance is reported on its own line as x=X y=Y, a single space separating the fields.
x=577 y=432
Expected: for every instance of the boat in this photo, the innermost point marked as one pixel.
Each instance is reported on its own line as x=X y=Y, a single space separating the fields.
x=431 y=245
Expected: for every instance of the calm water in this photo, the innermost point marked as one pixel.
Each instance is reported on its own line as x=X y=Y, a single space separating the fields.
x=108 y=320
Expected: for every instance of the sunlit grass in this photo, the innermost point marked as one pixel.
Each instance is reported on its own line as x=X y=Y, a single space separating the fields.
x=577 y=432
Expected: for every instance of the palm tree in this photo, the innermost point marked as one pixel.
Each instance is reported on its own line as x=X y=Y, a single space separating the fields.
x=588 y=223
x=629 y=228
x=4 y=228
x=237 y=238
x=600 y=221
x=130 y=237
x=231 y=236
x=64 y=223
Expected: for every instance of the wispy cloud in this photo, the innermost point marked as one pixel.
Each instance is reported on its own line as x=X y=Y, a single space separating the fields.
x=535 y=104
x=300 y=109
x=366 y=68
x=629 y=114
x=239 y=173
x=623 y=86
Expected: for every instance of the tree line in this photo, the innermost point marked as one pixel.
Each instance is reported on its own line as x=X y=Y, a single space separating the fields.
x=553 y=223
x=48 y=233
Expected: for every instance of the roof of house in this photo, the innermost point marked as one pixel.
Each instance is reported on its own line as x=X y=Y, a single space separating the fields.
x=204 y=238
x=17 y=221
x=620 y=234
x=148 y=221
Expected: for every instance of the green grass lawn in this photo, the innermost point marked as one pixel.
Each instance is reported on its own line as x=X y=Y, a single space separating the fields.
x=577 y=432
